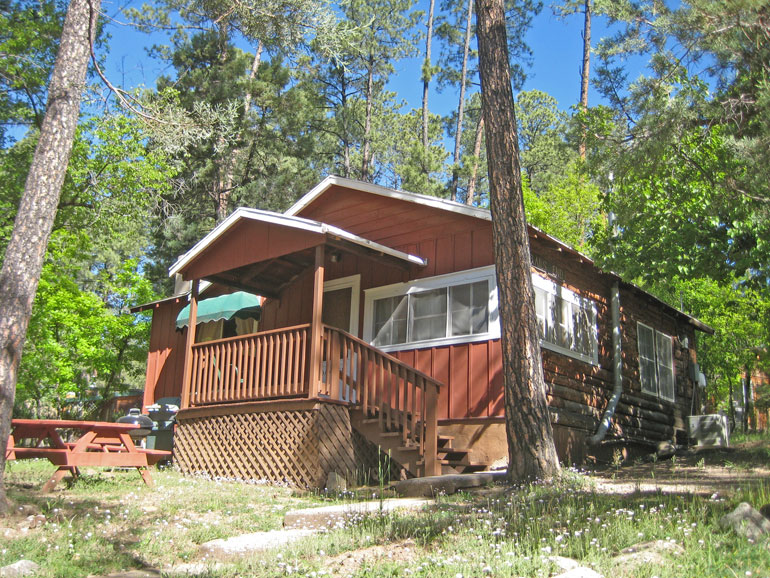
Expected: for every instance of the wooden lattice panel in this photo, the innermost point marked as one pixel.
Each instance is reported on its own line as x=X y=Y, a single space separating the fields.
x=296 y=446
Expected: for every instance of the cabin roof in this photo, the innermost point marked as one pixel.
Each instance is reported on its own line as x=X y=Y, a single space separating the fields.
x=479 y=213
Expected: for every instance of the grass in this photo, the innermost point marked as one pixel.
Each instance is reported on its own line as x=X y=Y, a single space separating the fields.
x=109 y=522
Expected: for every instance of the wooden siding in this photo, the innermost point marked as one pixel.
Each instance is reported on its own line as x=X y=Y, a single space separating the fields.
x=165 y=359
x=451 y=242
x=246 y=243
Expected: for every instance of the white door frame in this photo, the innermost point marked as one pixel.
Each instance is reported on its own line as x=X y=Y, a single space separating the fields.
x=354 y=282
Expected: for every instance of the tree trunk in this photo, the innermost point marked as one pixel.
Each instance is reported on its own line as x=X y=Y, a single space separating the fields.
x=24 y=256
x=231 y=161
x=531 y=451
x=470 y=197
x=585 y=75
x=461 y=104
x=426 y=75
x=366 y=148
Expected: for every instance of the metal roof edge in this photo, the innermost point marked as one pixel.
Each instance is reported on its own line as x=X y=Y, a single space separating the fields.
x=380 y=190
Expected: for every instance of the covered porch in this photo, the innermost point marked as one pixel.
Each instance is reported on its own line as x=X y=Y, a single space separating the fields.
x=317 y=368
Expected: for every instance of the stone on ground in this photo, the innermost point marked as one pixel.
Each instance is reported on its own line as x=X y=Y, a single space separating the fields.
x=20 y=568
x=647 y=554
x=449 y=484
x=196 y=569
x=337 y=516
x=146 y=573
x=747 y=522
x=227 y=548
x=579 y=572
x=563 y=563
x=336 y=483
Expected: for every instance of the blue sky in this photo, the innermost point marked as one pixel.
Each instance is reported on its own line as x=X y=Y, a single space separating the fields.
x=555 y=42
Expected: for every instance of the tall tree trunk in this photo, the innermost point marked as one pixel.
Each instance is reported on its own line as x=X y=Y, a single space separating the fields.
x=24 y=256
x=231 y=162
x=470 y=197
x=347 y=168
x=531 y=451
x=585 y=75
x=461 y=104
x=426 y=76
x=366 y=148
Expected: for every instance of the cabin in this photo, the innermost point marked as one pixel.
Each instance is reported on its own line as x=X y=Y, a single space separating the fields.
x=379 y=334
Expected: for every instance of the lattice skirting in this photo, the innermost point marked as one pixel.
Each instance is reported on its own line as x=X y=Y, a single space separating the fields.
x=297 y=446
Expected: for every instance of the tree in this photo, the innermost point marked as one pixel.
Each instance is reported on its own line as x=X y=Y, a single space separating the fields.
x=542 y=128
x=29 y=35
x=699 y=109
x=24 y=256
x=459 y=67
x=531 y=450
x=569 y=209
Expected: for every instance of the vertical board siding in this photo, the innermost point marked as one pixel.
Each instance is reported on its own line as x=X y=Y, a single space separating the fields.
x=165 y=358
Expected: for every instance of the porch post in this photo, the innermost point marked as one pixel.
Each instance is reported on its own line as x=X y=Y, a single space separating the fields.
x=316 y=331
x=187 y=375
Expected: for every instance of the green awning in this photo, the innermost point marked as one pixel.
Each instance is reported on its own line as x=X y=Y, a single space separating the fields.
x=238 y=304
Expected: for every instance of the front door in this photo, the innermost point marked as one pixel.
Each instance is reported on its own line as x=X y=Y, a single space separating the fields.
x=341 y=303
x=340 y=310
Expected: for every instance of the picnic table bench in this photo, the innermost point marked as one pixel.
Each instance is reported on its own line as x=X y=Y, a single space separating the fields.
x=102 y=444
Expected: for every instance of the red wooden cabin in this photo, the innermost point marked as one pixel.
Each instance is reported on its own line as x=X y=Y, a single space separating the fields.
x=380 y=330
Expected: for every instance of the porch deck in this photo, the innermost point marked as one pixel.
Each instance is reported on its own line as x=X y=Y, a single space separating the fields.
x=276 y=366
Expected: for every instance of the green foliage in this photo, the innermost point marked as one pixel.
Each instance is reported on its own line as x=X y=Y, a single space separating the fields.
x=740 y=317
x=29 y=36
x=406 y=163
x=692 y=128
x=81 y=338
x=543 y=148
x=569 y=209
x=671 y=209
x=82 y=342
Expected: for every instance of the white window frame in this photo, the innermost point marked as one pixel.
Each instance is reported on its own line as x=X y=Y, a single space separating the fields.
x=563 y=294
x=427 y=284
x=659 y=363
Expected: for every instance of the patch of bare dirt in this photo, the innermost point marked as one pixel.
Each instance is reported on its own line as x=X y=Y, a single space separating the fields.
x=703 y=471
x=348 y=563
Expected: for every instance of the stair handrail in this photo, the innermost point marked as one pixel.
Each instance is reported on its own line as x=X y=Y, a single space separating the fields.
x=405 y=398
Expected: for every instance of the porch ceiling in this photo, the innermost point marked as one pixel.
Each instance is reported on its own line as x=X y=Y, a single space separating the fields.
x=263 y=252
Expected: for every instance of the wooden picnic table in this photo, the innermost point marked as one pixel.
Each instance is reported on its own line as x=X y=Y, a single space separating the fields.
x=101 y=444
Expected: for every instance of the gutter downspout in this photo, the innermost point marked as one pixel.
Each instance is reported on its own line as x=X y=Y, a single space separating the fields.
x=617 y=369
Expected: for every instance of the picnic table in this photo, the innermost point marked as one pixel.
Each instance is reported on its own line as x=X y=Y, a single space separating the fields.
x=101 y=444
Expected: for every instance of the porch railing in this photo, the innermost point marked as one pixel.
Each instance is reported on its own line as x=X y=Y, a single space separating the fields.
x=403 y=399
x=267 y=365
x=275 y=365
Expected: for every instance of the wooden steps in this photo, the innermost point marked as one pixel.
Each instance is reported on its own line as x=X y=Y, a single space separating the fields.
x=453 y=460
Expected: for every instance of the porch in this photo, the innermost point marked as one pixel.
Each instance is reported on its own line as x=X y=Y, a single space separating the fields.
x=307 y=397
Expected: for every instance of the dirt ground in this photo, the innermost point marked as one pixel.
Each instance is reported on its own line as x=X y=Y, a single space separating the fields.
x=703 y=471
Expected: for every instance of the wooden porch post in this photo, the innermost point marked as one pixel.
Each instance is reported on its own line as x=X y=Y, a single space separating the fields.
x=316 y=331
x=432 y=465
x=187 y=375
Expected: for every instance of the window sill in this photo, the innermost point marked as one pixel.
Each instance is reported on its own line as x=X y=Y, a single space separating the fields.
x=445 y=342
x=591 y=360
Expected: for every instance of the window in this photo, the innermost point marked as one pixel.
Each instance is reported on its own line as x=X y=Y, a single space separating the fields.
x=656 y=362
x=440 y=310
x=567 y=322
